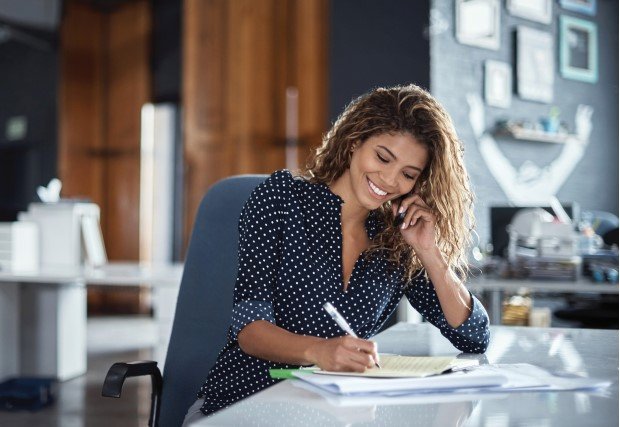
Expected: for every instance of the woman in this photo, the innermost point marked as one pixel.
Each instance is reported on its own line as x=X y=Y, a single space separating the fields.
x=331 y=237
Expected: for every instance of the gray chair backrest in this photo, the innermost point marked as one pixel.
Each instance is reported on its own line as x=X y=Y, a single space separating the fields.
x=204 y=307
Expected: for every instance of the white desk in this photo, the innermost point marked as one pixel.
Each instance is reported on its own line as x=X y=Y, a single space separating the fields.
x=43 y=314
x=587 y=352
x=497 y=287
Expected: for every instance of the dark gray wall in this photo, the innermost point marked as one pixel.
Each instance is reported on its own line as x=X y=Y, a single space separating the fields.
x=166 y=52
x=457 y=69
x=375 y=43
x=28 y=87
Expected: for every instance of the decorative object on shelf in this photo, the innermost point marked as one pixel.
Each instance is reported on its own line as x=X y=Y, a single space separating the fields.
x=535 y=65
x=583 y=6
x=526 y=131
x=51 y=193
x=477 y=23
x=534 y=10
x=551 y=123
x=497 y=83
x=578 y=49
x=530 y=184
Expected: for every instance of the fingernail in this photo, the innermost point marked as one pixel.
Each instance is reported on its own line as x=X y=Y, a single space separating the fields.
x=404 y=225
x=401 y=209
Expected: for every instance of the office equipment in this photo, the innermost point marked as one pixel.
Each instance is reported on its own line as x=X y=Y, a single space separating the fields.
x=554 y=350
x=540 y=247
x=19 y=246
x=60 y=227
x=501 y=216
x=204 y=305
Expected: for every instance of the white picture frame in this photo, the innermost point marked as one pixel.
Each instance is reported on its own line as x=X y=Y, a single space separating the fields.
x=533 y=10
x=478 y=23
x=497 y=83
x=535 y=65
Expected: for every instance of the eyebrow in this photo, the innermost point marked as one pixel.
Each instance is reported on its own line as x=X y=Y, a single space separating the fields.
x=394 y=157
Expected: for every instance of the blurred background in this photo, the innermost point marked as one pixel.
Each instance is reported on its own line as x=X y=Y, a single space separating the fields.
x=139 y=106
x=76 y=75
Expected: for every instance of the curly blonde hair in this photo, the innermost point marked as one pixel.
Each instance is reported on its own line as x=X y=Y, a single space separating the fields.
x=443 y=185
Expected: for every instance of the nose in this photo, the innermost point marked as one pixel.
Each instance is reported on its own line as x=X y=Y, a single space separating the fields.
x=390 y=178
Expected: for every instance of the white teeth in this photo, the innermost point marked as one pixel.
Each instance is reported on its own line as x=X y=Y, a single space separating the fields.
x=376 y=189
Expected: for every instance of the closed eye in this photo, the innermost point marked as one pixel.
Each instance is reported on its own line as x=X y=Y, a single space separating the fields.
x=383 y=159
x=409 y=176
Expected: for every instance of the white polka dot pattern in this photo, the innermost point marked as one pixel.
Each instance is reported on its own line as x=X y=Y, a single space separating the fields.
x=290 y=264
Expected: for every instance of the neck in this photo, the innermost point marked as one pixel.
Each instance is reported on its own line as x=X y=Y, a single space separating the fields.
x=353 y=214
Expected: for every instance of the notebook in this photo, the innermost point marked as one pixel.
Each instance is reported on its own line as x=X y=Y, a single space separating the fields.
x=395 y=366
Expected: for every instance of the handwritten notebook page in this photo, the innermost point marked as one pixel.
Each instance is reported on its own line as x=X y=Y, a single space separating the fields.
x=393 y=366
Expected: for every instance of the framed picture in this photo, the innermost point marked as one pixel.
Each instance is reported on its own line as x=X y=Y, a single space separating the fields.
x=578 y=49
x=534 y=10
x=497 y=83
x=477 y=23
x=535 y=65
x=582 y=6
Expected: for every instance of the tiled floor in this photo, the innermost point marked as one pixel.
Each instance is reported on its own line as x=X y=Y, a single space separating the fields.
x=79 y=401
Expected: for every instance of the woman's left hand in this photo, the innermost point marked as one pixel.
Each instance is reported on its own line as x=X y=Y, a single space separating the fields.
x=419 y=223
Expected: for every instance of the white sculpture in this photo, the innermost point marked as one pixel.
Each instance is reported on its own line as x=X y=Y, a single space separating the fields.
x=530 y=185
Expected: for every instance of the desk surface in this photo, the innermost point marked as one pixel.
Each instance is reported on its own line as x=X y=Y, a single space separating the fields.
x=560 y=286
x=114 y=273
x=587 y=352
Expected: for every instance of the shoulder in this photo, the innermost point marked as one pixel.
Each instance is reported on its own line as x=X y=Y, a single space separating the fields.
x=276 y=186
x=272 y=192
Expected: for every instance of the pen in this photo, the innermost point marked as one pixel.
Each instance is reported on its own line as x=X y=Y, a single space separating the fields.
x=331 y=310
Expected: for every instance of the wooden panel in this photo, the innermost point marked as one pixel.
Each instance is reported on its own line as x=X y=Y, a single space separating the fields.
x=128 y=85
x=239 y=58
x=311 y=73
x=81 y=103
x=105 y=80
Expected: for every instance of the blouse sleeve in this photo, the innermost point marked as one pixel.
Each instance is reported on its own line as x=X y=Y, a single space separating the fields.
x=471 y=337
x=260 y=237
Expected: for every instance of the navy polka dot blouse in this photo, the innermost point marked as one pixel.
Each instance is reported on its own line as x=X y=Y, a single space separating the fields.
x=290 y=264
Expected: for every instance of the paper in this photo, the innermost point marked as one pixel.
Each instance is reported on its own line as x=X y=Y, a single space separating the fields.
x=394 y=366
x=498 y=378
x=398 y=386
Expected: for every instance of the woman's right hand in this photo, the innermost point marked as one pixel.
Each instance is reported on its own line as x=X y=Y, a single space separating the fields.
x=344 y=354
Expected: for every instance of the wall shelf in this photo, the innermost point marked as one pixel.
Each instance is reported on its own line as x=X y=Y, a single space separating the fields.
x=522 y=134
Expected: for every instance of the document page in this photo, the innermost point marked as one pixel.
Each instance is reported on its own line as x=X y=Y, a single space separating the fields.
x=393 y=366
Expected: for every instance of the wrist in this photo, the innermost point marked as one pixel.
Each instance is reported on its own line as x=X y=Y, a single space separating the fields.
x=430 y=258
x=310 y=351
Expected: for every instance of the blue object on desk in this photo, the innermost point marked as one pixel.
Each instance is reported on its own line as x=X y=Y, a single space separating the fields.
x=27 y=394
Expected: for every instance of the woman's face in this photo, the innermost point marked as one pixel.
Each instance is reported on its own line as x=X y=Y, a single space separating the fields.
x=385 y=167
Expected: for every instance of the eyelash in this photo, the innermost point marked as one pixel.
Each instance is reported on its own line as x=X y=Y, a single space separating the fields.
x=386 y=161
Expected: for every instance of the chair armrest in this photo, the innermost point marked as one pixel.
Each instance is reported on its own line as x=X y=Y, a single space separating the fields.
x=115 y=378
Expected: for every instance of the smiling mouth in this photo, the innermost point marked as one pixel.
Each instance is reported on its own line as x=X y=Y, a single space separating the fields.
x=375 y=190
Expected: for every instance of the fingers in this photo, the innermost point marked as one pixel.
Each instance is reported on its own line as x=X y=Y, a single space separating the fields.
x=355 y=355
x=416 y=209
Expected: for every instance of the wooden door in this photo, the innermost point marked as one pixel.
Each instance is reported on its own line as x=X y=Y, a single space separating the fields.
x=105 y=80
x=239 y=57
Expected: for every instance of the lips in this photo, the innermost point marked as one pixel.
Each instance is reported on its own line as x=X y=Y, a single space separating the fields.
x=376 y=191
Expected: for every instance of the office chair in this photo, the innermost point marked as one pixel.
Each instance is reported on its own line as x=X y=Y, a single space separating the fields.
x=203 y=310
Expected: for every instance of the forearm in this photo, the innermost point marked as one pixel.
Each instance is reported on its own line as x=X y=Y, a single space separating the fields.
x=267 y=341
x=455 y=300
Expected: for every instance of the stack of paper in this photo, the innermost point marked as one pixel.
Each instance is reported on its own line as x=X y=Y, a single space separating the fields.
x=408 y=375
